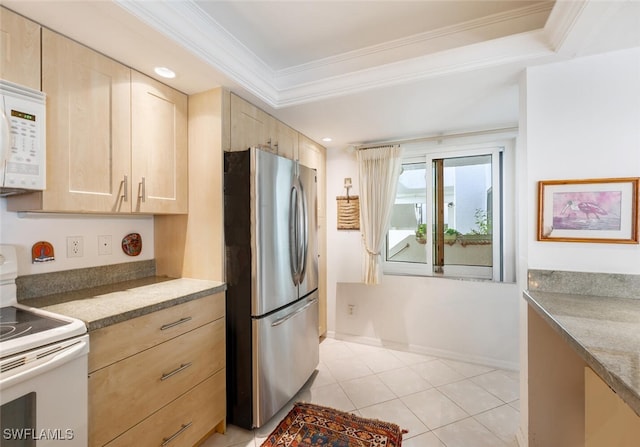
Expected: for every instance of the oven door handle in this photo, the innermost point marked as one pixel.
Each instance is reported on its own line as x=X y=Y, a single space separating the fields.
x=54 y=360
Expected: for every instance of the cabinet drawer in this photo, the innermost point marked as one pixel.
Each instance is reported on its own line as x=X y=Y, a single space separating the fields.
x=126 y=392
x=184 y=421
x=121 y=340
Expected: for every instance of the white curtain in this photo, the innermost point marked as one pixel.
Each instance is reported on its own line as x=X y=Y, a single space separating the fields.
x=379 y=170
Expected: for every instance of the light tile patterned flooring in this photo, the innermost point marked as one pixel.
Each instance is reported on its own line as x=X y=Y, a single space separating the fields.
x=443 y=403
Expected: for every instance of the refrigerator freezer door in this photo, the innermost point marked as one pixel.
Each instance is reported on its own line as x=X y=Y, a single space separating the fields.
x=285 y=354
x=273 y=191
x=307 y=182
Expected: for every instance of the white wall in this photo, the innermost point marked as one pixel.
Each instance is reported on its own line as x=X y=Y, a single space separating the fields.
x=467 y=320
x=579 y=119
x=344 y=263
x=25 y=229
x=583 y=120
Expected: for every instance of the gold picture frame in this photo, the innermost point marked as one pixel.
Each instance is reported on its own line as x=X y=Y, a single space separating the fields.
x=590 y=210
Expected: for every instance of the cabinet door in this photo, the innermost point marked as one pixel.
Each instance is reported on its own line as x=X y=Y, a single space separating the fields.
x=609 y=421
x=158 y=147
x=313 y=156
x=19 y=49
x=88 y=128
x=286 y=140
x=250 y=126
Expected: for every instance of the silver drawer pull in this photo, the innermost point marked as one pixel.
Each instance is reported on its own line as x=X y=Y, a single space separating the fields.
x=175 y=323
x=166 y=441
x=175 y=371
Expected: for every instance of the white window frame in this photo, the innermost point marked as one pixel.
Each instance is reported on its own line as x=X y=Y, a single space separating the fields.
x=500 y=150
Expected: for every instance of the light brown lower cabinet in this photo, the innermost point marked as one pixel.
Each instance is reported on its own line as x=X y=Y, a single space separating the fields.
x=173 y=391
x=609 y=421
x=182 y=422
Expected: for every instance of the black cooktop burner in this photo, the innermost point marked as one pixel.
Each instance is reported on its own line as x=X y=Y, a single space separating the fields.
x=15 y=323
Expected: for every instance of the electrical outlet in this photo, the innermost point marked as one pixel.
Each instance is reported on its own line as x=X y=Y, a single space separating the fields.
x=75 y=247
x=104 y=245
x=351 y=309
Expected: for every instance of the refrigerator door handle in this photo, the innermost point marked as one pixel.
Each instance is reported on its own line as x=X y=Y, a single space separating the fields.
x=279 y=321
x=304 y=230
x=293 y=234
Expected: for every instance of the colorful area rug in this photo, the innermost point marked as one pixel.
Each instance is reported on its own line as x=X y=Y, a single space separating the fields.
x=309 y=425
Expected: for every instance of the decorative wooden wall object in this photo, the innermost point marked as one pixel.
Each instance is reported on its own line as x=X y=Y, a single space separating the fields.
x=348 y=212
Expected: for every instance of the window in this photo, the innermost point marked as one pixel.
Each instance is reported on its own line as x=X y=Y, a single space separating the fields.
x=448 y=215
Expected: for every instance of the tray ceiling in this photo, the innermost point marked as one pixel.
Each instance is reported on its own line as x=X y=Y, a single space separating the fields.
x=359 y=71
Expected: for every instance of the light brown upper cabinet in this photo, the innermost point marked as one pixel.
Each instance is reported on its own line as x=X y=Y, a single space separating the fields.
x=313 y=156
x=116 y=139
x=19 y=49
x=286 y=140
x=159 y=150
x=252 y=127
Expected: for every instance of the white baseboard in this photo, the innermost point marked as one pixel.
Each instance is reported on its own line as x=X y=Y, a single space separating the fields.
x=479 y=360
x=521 y=439
x=330 y=334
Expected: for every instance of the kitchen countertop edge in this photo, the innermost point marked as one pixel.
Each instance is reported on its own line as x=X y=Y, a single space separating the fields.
x=131 y=303
x=626 y=391
x=138 y=312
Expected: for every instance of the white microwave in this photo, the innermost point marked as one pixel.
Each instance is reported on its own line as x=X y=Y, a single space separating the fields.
x=23 y=157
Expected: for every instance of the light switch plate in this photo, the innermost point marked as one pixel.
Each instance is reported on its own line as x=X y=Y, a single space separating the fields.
x=104 y=245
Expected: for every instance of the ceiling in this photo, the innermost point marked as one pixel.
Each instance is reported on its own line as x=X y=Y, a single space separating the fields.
x=357 y=71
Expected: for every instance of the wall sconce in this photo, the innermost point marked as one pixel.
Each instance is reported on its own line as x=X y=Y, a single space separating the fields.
x=347 y=185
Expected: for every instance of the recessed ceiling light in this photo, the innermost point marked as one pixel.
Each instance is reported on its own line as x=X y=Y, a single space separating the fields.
x=327 y=139
x=165 y=72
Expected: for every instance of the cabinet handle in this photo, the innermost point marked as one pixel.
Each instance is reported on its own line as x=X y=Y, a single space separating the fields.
x=175 y=323
x=125 y=189
x=142 y=190
x=175 y=371
x=166 y=441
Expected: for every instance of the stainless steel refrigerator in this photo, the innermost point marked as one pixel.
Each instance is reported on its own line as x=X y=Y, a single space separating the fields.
x=272 y=282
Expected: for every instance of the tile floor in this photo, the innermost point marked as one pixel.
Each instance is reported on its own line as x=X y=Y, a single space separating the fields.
x=443 y=403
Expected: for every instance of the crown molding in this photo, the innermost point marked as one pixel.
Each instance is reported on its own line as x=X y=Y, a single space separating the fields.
x=425 y=55
x=562 y=20
x=526 y=46
x=575 y=28
x=186 y=23
x=529 y=13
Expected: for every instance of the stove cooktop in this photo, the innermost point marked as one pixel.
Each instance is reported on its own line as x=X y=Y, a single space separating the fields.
x=16 y=323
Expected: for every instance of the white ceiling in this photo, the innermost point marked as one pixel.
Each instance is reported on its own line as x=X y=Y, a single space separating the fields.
x=290 y=34
x=358 y=71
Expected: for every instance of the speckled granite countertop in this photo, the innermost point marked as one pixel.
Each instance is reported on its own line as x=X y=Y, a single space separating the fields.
x=604 y=331
x=109 y=304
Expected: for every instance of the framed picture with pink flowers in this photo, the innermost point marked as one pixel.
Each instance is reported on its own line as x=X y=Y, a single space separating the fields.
x=591 y=210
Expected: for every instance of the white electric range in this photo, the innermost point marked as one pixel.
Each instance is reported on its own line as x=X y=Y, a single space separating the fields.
x=43 y=370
